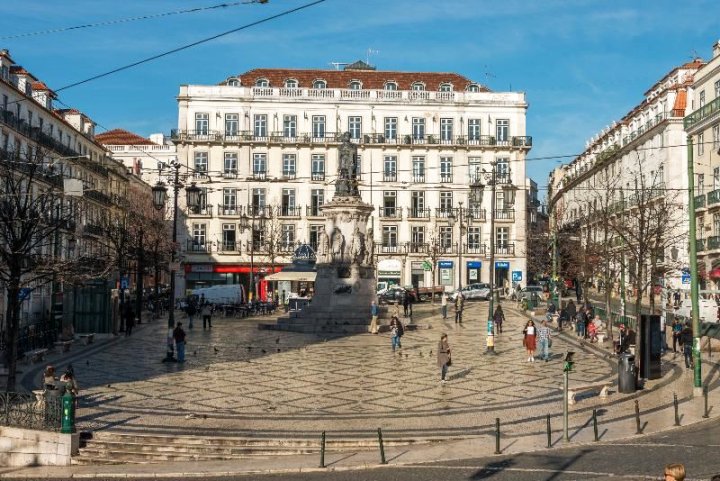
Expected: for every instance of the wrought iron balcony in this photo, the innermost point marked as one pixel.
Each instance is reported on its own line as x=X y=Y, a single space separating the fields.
x=418 y=213
x=289 y=211
x=229 y=247
x=504 y=214
x=289 y=175
x=707 y=111
x=699 y=245
x=713 y=197
x=389 y=176
x=259 y=175
x=391 y=212
x=258 y=210
x=228 y=210
x=700 y=201
x=446 y=178
x=505 y=248
x=445 y=212
x=448 y=248
x=475 y=213
x=202 y=211
x=417 y=247
x=230 y=174
x=713 y=242
x=199 y=246
x=313 y=211
x=317 y=176
x=390 y=248
x=419 y=178
x=474 y=248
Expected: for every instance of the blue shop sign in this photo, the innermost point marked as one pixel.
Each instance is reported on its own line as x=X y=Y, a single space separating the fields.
x=516 y=276
x=445 y=264
x=474 y=264
x=502 y=265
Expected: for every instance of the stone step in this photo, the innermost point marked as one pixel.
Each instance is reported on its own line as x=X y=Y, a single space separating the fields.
x=109 y=449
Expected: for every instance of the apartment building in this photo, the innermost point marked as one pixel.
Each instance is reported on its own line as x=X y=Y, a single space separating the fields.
x=263 y=147
x=639 y=159
x=142 y=156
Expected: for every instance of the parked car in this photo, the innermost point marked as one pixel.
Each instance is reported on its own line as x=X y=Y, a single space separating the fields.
x=528 y=291
x=394 y=295
x=479 y=290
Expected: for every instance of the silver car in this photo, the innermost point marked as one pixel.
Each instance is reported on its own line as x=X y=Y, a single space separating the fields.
x=478 y=290
x=529 y=291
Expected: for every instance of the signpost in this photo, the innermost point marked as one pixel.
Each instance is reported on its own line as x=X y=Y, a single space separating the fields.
x=427 y=266
x=517 y=276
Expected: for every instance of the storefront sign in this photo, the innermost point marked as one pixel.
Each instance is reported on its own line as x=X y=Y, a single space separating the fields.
x=388 y=273
x=502 y=265
x=473 y=274
x=201 y=268
x=445 y=275
x=516 y=276
x=445 y=264
x=474 y=264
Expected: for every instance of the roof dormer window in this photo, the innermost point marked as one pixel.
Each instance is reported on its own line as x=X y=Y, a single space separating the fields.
x=291 y=83
x=446 y=87
x=391 y=85
x=418 y=86
x=262 y=82
x=319 y=84
x=473 y=88
x=233 y=82
x=355 y=85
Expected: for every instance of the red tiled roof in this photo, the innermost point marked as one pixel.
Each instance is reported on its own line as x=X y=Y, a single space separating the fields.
x=680 y=103
x=371 y=79
x=18 y=70
x=121 y=137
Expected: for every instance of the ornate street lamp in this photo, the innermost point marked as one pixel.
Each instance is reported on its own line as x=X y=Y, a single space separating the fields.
x=159 y=193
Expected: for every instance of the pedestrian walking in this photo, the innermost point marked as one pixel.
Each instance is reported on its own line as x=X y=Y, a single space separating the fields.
x=374 y=312
x=676 y=330
x=179 y=336
x=571 y=310
x=529 y=335
x=443 y=356
x=206 y=312
x=675 y=472
x=686 y=341
x=551 y=311
x=499 y=318
x=396 y=332
x=544 y=339
x=129 y=318
x=406 y=304
x=443 y=305
x=459 y=303
x=190 y=310
x=580 y=323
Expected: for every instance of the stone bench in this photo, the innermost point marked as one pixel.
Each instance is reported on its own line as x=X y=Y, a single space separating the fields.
x=38 y=355
x=65 y=345
x=573 y=391
x=87 y=338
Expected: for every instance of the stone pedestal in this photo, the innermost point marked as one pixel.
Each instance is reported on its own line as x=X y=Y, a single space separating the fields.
x=345 y=282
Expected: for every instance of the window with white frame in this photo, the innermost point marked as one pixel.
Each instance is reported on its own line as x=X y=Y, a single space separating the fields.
x=258 y=199
x=230 y=167
x=446 y=87
x=202 y=123
x=502 y=170
x=229 y=198
x=445 y=169
x=229 y=237
x=319 y=84
x=233 y=82
x=391 y=128
x=502 y=129
x=355 y=126
x=232 y=124
x=716 y=136
x=389 y=237
x=474 y=236
x=474 y=129
x=502 y=237
x=262 y=82
x=389 y=203
x=473 y=88
x=260 y=125
x=289 y=165
x=391 y=86
x=716 y=178
x=418 y=166
x=315 y=233
x=389 y=168
x=289 y=126
x=291 y=83
x=318 y=126
x=446 y=130
x=418 y=128
x=446 y=236
x=702 y=99
x=318 y=166
x=417 y=86
x=446 y=201
x=288 y=236
x=201 y=164
x=259 y=164
x=417 y=203
x=288 y=202
x=701 y=144
x=417 y=238
x=317 y=199
x=474 y=169
x=355 y=85
x=199 y=235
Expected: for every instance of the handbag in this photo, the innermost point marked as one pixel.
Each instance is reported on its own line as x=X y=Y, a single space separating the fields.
x=550 y=342
x=449 y=362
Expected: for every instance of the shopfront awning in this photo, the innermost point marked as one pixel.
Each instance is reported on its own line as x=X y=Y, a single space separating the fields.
x=292 y=276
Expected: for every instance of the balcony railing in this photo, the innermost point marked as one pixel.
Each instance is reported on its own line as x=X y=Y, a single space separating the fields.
x=318 y=176
x=448 y=249
x=230 y=174
x=476 y=213
x=474 y=248
x=229 y=247
x=713 y=197
x=228 y=210
x=417 y=247
x=313 y=211
x=391 y=212
x=713 y=242
x=389 y=176
x=504 y=214
x=202 y=211
x=258 y=210
x=419 y=178
x=390 y=248
x=444 y=213
x=198 y=246
x=700 y=201
x=706 y=111
x=699 y=245
x=506 y=249
x=289 y=211
x=259 y=175
x=446 y=178
x=8 y=118
x=418 y=213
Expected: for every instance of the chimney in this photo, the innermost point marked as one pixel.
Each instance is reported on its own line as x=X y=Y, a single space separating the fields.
x=716 y=49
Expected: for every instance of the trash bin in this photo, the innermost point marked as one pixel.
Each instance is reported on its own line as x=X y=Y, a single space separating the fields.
x=627 y=374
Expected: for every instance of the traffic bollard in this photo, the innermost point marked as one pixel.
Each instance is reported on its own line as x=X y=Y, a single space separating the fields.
x=382 y=448
x=549 y=432
x=677 y=414
x=322 y=450
x=497 y=436
x=595 y=429
x=67 y=425
x=706 y=414
x=637 y=417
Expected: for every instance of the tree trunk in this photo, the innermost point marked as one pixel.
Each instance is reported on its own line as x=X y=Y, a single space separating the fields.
x=139 y=285
x=13 y=330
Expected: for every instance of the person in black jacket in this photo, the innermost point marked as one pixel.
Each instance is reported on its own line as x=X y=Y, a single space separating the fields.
x=686 y=341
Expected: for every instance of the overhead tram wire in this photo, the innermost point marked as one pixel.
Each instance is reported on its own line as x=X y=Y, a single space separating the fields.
x=127 y=20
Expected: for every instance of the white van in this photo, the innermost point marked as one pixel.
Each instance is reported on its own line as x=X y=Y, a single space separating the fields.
x=708 y=310
x=223 y=294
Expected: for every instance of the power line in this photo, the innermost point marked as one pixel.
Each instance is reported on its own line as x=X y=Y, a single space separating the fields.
x=129 y=19
x=190 y=45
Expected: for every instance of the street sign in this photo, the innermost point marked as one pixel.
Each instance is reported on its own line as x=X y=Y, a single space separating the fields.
x=685 y=278
x=124 y=282
x=426 y=266
x=516 y=276
x=24 y=293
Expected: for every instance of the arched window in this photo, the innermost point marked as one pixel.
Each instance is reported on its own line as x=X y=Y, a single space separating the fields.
x=319 y=84
x=391 y=85
x=418 y=86
x=291 y=83
x=473 y=88
x=262 y=82
x=355 y=85
x=233 y=82
x=446 y=87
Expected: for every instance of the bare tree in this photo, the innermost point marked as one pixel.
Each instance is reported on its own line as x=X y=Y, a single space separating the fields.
x=38 y=244
x=434 y=250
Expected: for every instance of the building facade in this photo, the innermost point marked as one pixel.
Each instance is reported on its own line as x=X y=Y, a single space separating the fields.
x=637 y=161
x=263 y=147
x=703 y=125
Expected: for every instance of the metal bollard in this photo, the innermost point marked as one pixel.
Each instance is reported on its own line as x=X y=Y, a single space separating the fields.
x=322 y=450
x=497 y=436
x=637 y=417
x=677 y=414
x=382 y=448
x=595 y=428
x=706 y=414
x=549 y=432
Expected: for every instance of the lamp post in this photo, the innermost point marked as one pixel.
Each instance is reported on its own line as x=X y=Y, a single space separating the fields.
x=462 y=226
x=249 y=223
x=159 y=192
x=493 y=178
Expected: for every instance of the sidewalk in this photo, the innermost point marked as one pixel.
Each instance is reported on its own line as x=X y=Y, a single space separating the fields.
x=404 y=403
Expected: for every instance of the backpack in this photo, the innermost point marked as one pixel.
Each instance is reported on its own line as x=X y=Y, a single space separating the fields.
x=400 y=329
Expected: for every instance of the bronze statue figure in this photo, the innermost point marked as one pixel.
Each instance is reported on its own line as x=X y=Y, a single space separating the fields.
x=347 y=184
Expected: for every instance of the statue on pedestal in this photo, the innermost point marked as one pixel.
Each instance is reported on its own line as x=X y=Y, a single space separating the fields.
x=347 y=184
x=357 y=249
x=369 y=247
x=338 y=245
x=323 y=247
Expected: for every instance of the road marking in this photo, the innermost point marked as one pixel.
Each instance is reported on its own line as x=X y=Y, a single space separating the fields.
x=542 y=470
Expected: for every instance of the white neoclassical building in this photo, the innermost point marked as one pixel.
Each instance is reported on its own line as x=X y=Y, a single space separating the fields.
x=263 y=147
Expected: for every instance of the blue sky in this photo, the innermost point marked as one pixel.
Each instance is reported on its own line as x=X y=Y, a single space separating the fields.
x=582 y=63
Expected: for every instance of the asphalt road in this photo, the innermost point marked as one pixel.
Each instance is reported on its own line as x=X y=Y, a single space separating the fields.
x=698 y=447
